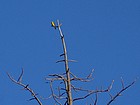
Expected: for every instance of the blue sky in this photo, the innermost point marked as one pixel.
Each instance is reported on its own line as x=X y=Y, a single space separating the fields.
x=100 y=34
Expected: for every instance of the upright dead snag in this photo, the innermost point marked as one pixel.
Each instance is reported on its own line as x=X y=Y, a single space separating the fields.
x=67 y=78
x=68 y=81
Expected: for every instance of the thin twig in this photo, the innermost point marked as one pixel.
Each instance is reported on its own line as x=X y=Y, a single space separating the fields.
x=96 y=95
x=122 y=82
x=90 y=75
x=87 y=79
x=67 y=61
x=20 y=77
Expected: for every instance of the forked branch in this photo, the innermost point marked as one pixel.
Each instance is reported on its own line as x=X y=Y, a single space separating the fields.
x=26 y=87
x=122 y=90
x=90 y=92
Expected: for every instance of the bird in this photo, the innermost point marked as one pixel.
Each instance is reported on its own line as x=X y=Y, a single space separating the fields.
x=53 y=25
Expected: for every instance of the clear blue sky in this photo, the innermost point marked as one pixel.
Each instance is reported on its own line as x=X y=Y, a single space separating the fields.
x=100 y=34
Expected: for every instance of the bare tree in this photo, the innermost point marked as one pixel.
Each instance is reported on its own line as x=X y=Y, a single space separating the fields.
x=64 y=93
x=67 y=78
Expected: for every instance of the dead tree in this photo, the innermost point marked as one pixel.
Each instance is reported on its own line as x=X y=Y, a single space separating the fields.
x=67 y=77
x=64 y=93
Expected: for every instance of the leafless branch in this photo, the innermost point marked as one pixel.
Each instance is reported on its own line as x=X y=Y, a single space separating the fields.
x=61 y=55
x=53 y=95
x=87 y=79
x=80 y=89
x=26 y=87
x=67 y=61
x=20 y=77
x=119 y=93
x=122 y=82
x=90 y=75
x=50 y=96
x=52 y=79
x=95 y=91
x=83 y=97
x=95 y=103
x=60 y=61
x=56 y=77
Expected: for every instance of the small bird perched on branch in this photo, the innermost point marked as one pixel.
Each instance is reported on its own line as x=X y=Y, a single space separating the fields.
x=53 y=25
